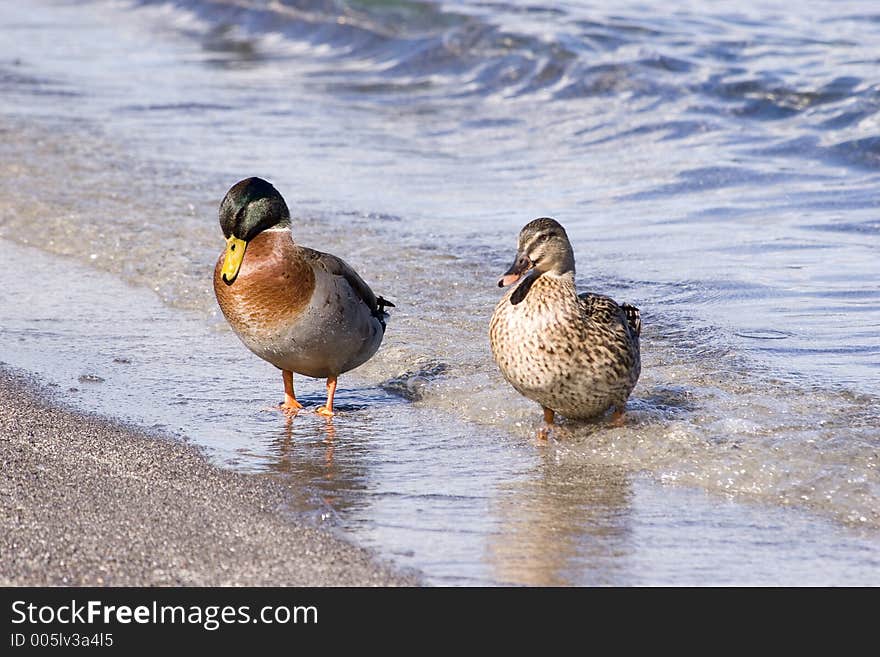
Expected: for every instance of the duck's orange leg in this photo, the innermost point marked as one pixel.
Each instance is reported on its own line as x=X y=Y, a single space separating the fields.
x=544 y=432
x=327 y=409
x=290 y=405
x=618 y=417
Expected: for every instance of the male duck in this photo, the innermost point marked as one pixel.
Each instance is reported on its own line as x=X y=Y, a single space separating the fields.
x=577 y=355
x=302 y=310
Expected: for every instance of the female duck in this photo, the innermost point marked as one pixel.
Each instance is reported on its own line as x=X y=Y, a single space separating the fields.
x=301 y=310
x=574 y=355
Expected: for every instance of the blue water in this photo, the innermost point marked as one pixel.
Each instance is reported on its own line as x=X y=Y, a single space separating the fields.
x=715 y=164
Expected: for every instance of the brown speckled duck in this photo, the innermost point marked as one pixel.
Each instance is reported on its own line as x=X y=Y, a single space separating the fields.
x=577 y=355
x=301 y=310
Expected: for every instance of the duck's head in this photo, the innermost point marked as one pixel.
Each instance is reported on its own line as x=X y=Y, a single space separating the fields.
x=543 y=247
x=250 y=206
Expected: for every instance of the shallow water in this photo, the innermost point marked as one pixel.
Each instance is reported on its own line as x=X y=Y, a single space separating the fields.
x=716 y=169
x=466 y=504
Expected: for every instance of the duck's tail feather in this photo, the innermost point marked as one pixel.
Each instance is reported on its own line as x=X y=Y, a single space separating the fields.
x=379 y=313
x=633 y=317
x=384 y=303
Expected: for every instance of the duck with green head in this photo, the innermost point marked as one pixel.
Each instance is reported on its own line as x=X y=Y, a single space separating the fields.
x=302 y=310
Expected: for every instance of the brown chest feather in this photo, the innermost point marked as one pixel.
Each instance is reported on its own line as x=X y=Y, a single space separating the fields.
x=273 y=284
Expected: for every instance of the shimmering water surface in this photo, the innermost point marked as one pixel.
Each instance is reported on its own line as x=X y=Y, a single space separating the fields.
x=716 y=165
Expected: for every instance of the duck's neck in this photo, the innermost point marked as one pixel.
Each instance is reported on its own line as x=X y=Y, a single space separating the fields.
x=560 y=262
x=280 y=228
x=563 y=283
x=562 y=280
x=558 y=285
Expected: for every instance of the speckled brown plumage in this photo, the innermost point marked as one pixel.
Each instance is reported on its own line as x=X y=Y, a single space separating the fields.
x=576 y=355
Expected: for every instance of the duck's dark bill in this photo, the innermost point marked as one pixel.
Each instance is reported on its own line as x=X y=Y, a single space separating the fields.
x=519 y=267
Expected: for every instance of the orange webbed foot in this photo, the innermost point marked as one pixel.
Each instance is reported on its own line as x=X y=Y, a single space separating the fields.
x=326 y=412
x=290 y=407
x=544 y=432
x=618 y=418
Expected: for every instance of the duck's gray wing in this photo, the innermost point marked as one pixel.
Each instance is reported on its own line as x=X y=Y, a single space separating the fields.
x=339 y=267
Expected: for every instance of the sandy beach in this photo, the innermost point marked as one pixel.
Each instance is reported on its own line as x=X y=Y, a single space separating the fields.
x=85 y=501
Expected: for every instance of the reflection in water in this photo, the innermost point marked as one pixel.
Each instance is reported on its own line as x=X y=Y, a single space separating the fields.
x=305 y=450
x=569 y=524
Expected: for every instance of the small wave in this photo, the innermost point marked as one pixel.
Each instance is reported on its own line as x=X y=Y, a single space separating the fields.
x=177 y=107
x=860 y=152
x=868 y=227
x=411 y=385
x=764 y=334
x=704 y=179
x=15 y=79
x=702 y=74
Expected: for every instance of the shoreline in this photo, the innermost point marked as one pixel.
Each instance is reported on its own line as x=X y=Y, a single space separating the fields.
x=87 y=501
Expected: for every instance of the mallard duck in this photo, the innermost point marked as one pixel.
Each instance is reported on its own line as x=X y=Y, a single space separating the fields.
x=301 y=310
x=577 y=355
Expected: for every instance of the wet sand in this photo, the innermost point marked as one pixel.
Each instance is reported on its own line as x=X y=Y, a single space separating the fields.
x=85 y=501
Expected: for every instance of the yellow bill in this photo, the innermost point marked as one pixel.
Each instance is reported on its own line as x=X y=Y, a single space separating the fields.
x=232 y=261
